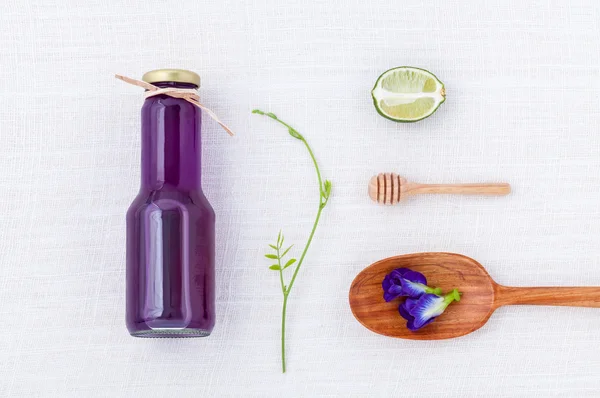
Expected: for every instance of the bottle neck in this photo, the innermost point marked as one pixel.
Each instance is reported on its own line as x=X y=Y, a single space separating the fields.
x=171 y=142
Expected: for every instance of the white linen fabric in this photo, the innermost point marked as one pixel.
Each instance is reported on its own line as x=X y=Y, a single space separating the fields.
x=522 y=81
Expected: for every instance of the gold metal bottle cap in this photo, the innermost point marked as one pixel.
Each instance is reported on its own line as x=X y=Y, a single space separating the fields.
x=172 y=75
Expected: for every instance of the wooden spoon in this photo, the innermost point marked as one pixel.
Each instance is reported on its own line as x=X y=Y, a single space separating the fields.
x=390 y=188
x=481 y=296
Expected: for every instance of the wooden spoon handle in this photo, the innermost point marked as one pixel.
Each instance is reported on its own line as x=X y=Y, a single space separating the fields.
x=461 y=189
x=561 y=296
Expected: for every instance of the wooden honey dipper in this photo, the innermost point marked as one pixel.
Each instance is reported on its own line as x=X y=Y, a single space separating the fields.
x=390 y=188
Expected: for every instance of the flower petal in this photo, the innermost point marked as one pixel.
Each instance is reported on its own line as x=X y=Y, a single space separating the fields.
x=412 y=327
x=393 y=278
x=387 y=283
x=410 y=303
x=426 y=309
x=415 y=276
x=412 y=289
x=393 y=292
x=404 y=312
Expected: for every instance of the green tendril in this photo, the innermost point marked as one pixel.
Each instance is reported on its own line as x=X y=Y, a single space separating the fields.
x=279 y=253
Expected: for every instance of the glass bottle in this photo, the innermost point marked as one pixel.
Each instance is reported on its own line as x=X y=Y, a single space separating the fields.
x=170 y=224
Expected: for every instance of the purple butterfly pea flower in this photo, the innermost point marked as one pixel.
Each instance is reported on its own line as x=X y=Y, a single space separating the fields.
x=404 y=310
x=403 y=282
x=422 y=311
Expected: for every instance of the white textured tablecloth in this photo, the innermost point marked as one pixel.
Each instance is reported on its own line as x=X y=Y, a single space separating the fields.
x=523 y=84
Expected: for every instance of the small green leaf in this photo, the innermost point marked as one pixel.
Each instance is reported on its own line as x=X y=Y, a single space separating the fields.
x=292 y=261
x=271 y=115
x=281 y=242
x=327 y=187
x=294 y=133
x=271 y=256
x=286 y=251
x=258 y=111
x=273 y=247
x=456 y=294
x=275 y=267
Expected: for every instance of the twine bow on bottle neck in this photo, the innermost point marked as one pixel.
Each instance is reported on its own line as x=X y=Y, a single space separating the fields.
x=190 y=95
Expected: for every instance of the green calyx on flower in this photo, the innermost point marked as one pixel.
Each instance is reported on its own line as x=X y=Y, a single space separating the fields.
x=454 y=295
x=431 y=290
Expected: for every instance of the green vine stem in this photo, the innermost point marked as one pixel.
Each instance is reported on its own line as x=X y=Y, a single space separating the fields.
x=324 y=194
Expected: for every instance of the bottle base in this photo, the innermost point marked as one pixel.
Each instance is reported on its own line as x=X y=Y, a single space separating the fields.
x=172 y=333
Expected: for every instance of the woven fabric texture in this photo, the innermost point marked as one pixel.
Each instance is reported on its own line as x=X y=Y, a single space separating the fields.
x=523 y=84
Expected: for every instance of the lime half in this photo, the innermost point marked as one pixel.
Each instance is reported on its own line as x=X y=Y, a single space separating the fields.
x=407 y=94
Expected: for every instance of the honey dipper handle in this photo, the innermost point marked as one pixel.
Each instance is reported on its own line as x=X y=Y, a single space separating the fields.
x=390 y=188
x=460 y=189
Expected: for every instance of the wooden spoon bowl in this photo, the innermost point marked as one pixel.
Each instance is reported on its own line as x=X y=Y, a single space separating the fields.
x=481 y=296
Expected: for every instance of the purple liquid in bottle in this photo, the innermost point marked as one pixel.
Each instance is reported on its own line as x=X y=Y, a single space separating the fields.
x=170 y=226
